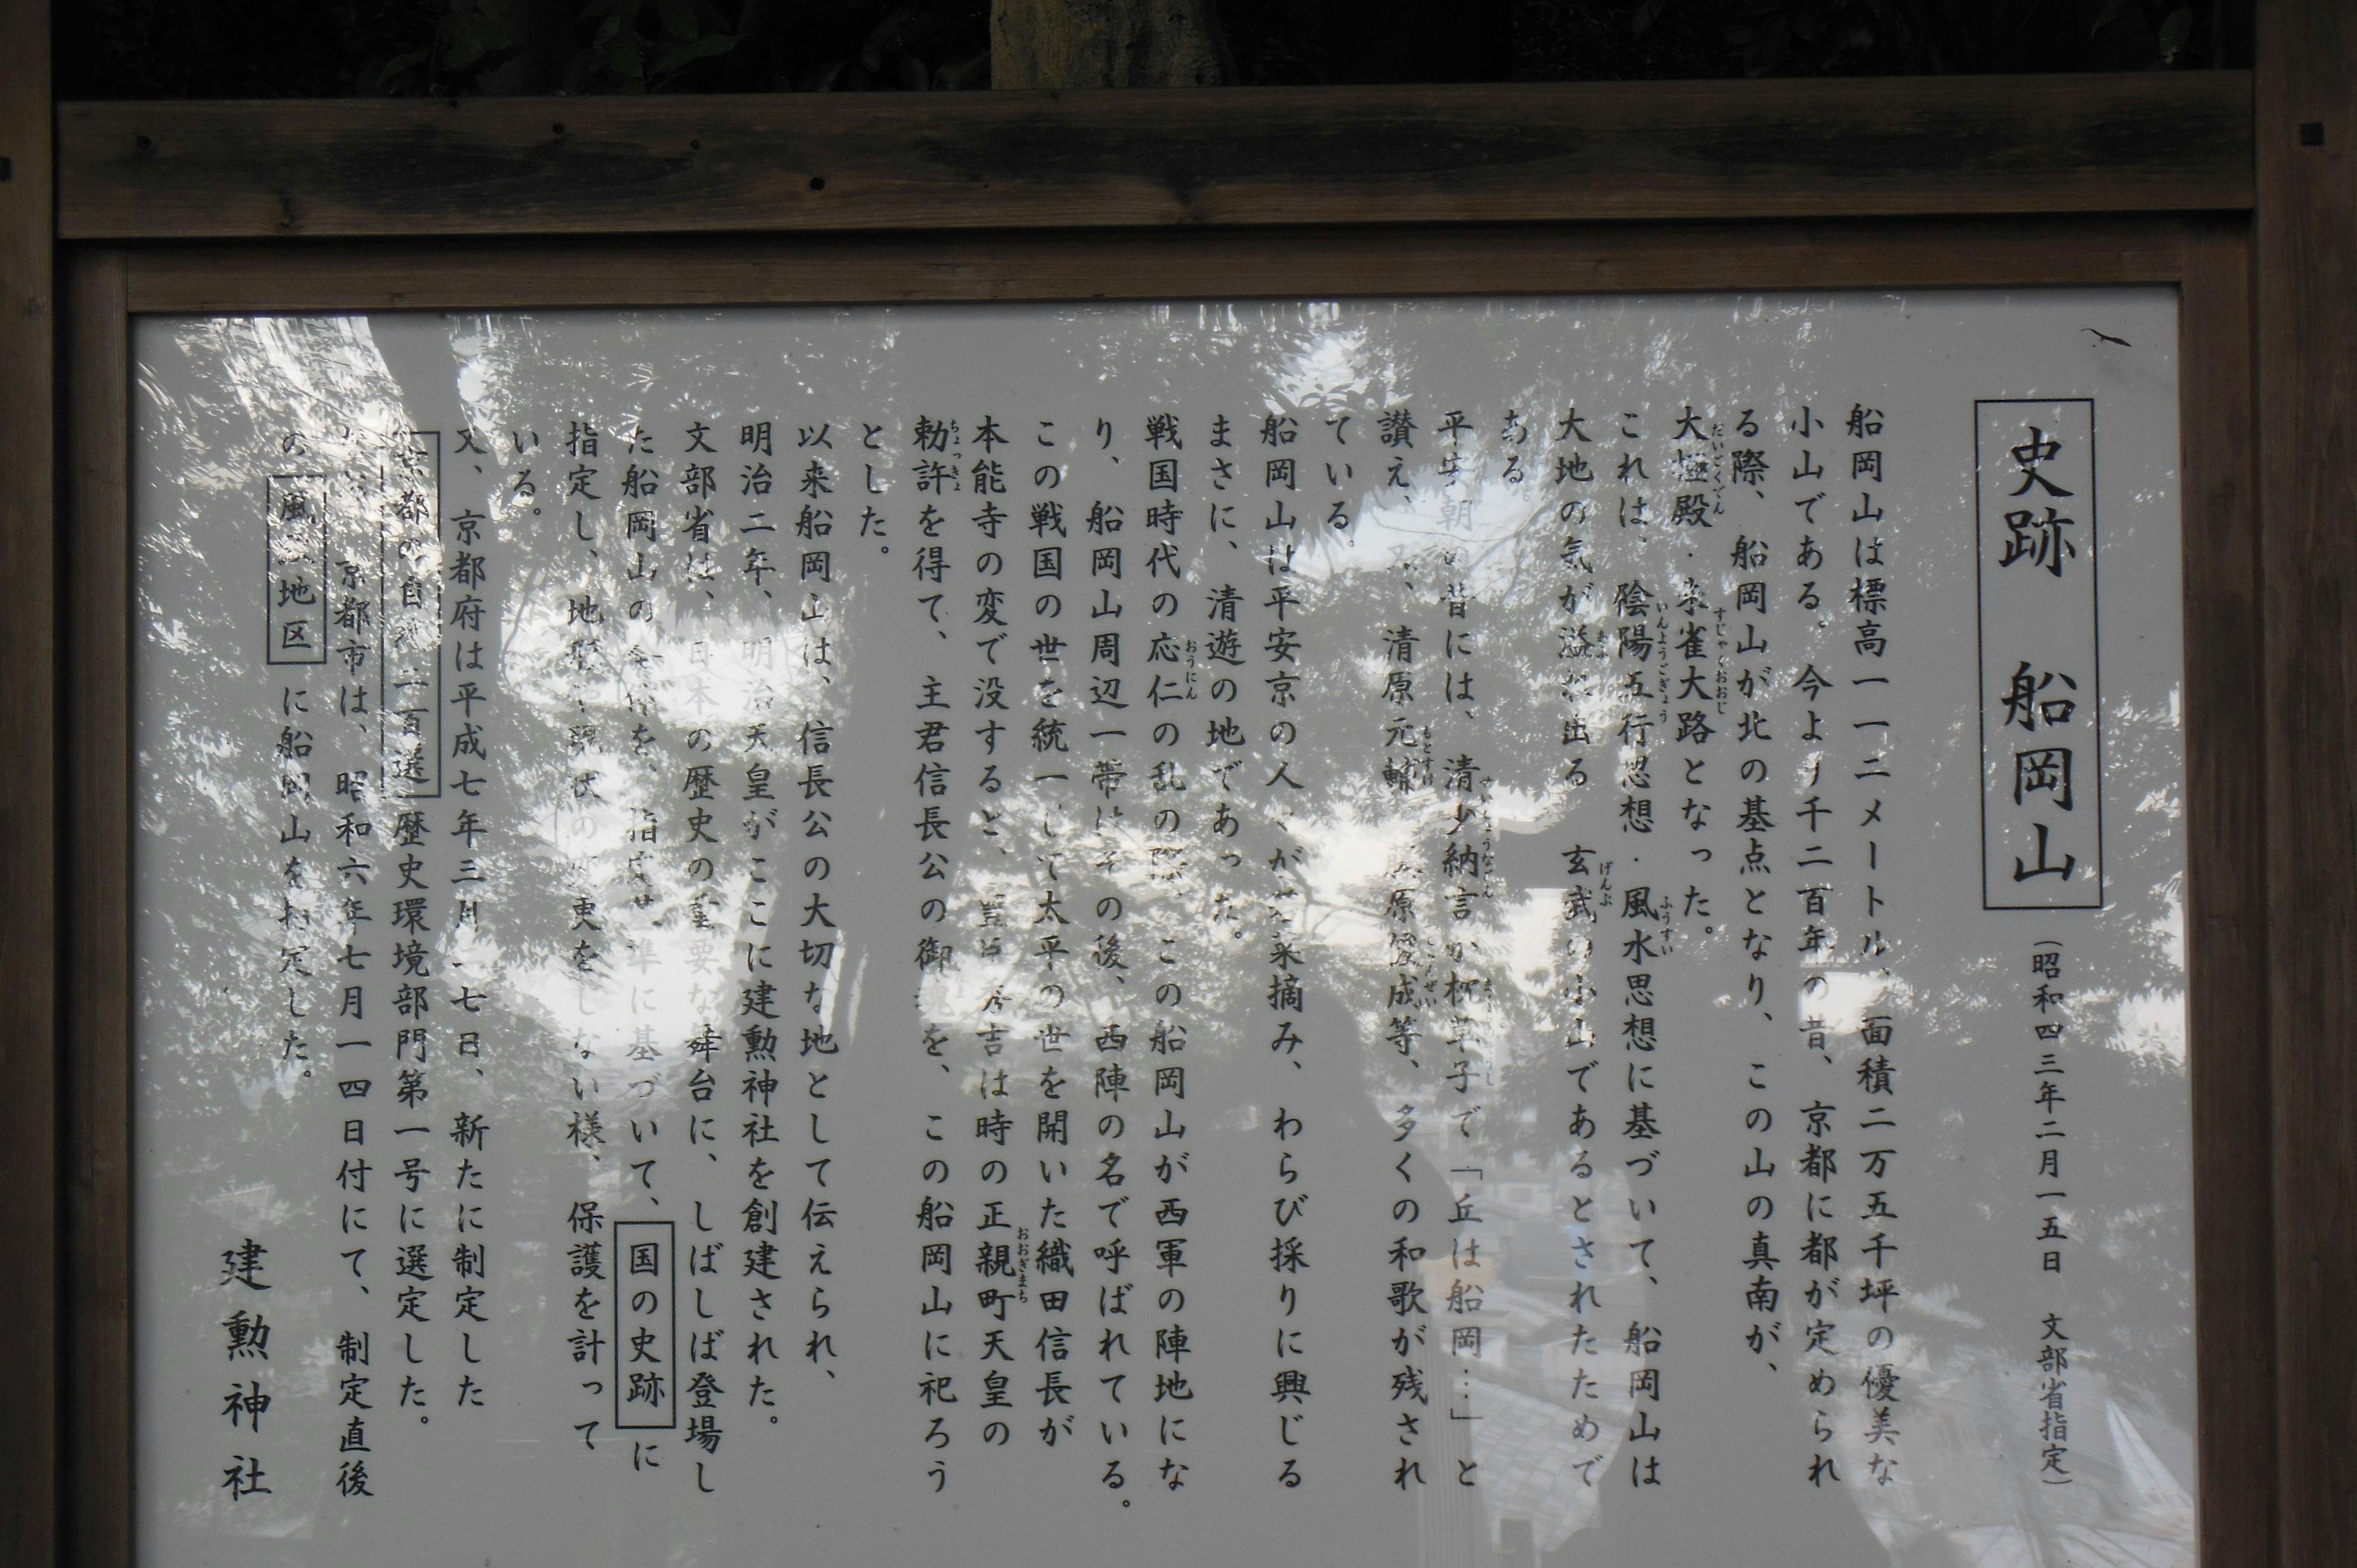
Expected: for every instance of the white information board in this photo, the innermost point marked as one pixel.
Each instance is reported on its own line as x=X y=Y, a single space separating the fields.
x=1429 y=933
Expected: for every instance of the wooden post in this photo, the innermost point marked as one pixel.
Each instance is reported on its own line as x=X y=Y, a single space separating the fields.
x=2307 y=305
x=29 y=918
x=1106 y=43
x=94 y=1436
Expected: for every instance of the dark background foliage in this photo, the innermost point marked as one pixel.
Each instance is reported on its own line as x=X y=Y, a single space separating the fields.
x=325 y=49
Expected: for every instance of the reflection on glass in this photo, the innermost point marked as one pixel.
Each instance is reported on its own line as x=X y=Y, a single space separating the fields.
x=1498 y=932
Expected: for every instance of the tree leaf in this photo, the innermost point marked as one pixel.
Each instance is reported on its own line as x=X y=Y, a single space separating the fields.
x=2113 y=12
x=669 y=62
x=473 y=40
x=896 y=31
x=389 y=75
x=2174 y=31
x=972 y=71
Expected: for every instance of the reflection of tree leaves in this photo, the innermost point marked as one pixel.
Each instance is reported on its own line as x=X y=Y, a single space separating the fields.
x=557 y=841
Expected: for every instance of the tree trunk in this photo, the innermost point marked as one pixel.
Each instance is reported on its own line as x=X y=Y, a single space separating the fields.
x=1106 y=43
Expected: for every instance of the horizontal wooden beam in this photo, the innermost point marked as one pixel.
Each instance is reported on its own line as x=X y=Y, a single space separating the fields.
x=1333 y=263
x=2177 y=141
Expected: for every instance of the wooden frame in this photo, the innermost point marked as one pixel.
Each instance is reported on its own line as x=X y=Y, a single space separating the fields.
x=2208 y=258
x=2306 y=393
x=1583 y=152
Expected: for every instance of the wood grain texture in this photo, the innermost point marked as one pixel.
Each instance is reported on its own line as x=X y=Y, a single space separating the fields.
x=96 y=1446
x=2142 y=141
x=2306 y=293
x=2228 y=901
x=28 y=950
x=2226 y=906
x=1183 y=264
